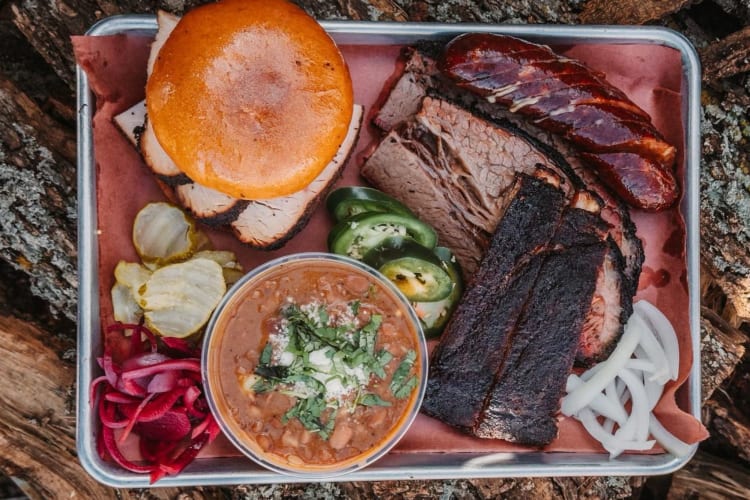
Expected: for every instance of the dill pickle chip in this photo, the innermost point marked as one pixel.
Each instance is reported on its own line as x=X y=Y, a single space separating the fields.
x=227 y=260
x=178 y=299
x=162 y=234
x=232 y=276
x=125 y=308
x=133 y=276
x=224 y=258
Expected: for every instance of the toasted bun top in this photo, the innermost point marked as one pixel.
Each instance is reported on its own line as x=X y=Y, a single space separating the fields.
x=250 y=97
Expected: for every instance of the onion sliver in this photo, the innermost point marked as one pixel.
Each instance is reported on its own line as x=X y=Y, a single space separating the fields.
x=610 y=442
x=641 y=365
x=645 y=359
x=653 y=350
x=611 y=392
x=670 y=443
x=665 y=333
x=601 y=404
x=641 y=409
x=579 y=398
x=654 y=391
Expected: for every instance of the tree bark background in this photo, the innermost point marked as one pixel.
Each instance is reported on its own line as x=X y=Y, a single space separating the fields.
x=38 y=254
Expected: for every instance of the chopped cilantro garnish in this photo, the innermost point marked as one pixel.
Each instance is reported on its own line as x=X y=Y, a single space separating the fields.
x=372 y=400
x=328 y=357
x=400 y=385
x=265 y=356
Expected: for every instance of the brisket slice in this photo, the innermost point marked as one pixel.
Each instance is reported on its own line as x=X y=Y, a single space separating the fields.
x=525 y=397
x=420 y=71
x=501 y=366
x=463 y=366
x=453 y=169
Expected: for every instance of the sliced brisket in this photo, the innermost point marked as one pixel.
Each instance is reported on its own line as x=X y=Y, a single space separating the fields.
x=501 y=365
x=453 y=168
x=470 y=353
x=424 y=79
x=525 y=396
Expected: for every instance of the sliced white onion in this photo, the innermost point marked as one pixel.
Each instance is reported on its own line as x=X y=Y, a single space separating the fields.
x=588 y=374
x=665 y=333
x=611 y=392
x=580 y=397
x=600 y=404
x=610 y=442
x=645 y=359
x=622 y=391
x=608 y=425
x=640 y=409
x=654 y=391
x=643 y=365
x=653 y=350
x=665 y=438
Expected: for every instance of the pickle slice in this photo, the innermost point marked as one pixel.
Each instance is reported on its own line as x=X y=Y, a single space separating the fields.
x=125 y=308
x=133 y=276
x=162 y=234
x=178 y=299
x=231 y=268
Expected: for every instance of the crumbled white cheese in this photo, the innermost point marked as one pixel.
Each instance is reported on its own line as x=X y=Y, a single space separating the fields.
x=336 y=390
x=320 y=360
x=279 y=339
x=286 y=359
x=340 y=381
x=312 y=311
x=248 y=381
x=357 y=373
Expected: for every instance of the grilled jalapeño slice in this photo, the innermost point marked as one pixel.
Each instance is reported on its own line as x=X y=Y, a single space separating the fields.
x=361 y=233
x=414 y=269
x=346 y=202
x=435 y=315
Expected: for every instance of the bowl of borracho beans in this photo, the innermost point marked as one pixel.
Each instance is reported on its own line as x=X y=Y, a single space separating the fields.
x=314 y=364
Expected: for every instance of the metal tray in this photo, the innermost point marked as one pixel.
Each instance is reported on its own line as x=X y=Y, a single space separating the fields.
x=214 y=471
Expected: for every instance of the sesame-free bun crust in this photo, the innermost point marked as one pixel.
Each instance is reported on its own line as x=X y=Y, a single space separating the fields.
x=250 y=97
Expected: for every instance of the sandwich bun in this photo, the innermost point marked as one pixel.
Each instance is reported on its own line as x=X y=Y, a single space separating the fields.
x=250 y=97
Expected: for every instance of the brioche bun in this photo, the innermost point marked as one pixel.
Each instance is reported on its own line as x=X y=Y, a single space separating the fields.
x=250 y=97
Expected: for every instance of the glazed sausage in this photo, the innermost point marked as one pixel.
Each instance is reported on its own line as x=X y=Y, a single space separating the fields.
x=615 y=137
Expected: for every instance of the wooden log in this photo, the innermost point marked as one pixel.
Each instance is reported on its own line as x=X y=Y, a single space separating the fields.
x=508 y=11
x=37 y=417
x=729 y=427
x=725 y=200
x=22 y=65
x=739 y=9
x=37 y=421
x=37 y=200
x=722 y=348
x=629 y=11
x=711 y=478
x=726 y=57
x=372 y=10
x=40 y=152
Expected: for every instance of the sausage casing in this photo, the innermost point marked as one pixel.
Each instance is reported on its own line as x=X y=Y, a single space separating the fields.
x=561 y=95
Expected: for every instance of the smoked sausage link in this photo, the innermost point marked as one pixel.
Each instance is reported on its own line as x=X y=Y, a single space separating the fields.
x=615 y=137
